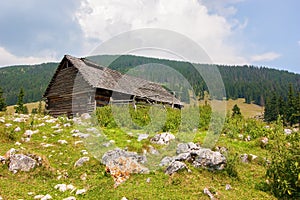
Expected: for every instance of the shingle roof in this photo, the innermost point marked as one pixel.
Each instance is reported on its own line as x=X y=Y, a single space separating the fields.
x=102 y=77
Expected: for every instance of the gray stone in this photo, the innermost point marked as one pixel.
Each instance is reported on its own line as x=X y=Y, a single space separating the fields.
x=81 y=135
x=80 y=162
x=183 y=157
x=287 y=131
x=166 y=161
x=228 y=187
x=186 y=147
x=20 y=162
x=153 y=151
x=85 y=116
x=70 y=198
x=244 y=158
x=209 y=159
x=142 y=137
x=116 y=153
x=163 y=139
x=175 y=167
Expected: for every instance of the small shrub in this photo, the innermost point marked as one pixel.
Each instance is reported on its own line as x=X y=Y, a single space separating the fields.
x=232 y=162
x=283 y=172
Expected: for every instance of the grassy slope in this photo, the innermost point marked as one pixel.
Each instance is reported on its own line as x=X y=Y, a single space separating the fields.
x=247 y=110
x=59 y=160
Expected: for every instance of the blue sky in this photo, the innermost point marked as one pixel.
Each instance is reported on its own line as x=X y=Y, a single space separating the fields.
x=258 y=32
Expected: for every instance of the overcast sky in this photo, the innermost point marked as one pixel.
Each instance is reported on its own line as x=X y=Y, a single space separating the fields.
x=258 y=32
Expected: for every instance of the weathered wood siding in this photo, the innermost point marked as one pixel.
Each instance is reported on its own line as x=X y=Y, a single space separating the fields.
x=69 y=93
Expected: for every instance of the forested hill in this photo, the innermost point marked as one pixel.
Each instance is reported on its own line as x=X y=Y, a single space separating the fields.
x=33 y=78
x=249 y=82
x=252 y=83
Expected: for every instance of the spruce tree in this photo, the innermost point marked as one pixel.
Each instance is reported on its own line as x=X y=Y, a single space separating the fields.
x=271 y=109
x=291 y=104
x=20 y=108
x=2 y=101
x=236 y=111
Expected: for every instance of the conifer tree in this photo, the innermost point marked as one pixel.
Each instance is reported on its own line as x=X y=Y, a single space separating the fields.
x=20 y=108
x=2 y=101
x=291 y=103
x=236 y=111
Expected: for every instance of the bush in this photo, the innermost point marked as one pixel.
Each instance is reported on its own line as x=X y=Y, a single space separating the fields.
x=283 y=172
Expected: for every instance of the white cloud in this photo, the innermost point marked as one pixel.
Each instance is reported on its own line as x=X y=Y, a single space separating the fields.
x=269 y=56
x=299 y=42
x=6 y=59
x=101 y=20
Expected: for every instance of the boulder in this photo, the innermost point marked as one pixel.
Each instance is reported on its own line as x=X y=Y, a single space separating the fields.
x=80 y=162
x=117 y=152
x=198 y=156
x=175 y=167
x=20 y=162
x=209 y=159
x=120 y=164
x=163 y=139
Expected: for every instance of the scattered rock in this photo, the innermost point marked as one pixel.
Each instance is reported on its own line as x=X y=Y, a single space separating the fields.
x=85 y=116
x=61 y=187
x=211 y=196
x=46 y=145
x=244 y=158
x=264 y=141
x=8 y=125
x=18 y=129
x=163 y=139
x=120 y=164
x=209 y=159
x=43 y=197
x=199 y=157
x=70 y=198
x=19 y=120
x=124 y=198
x=148 y=180
x=152 y=150
x=142 y=137
x=287 y=131
x=1 y=198
x=62 y=142
x=28 y=133
x=80 y=191
x=20 y=162
x=222 y=150
x=84 y=152
x=18 y=143
x=67 y=125
x=80 y=162
x=248 y=138
x=46 y=197
x=81 y=135
x=2 y=120
x=38 y=196
x=83 y=176
x=78 y=142
x=174 y=167
x=92 y=130
x=228 y=187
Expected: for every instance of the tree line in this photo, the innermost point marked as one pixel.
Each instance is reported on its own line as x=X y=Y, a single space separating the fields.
x=255 y=84
x=287 y=108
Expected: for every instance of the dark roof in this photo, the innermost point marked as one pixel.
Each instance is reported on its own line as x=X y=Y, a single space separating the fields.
x=102 y=77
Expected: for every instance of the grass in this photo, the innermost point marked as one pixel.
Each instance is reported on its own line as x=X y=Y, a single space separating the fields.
x=247 y=110
x=59 y=162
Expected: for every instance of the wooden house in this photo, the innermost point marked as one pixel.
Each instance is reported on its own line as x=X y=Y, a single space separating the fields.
x=79 y=86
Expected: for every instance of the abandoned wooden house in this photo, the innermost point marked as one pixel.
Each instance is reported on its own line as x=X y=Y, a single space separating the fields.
x=79 y=86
